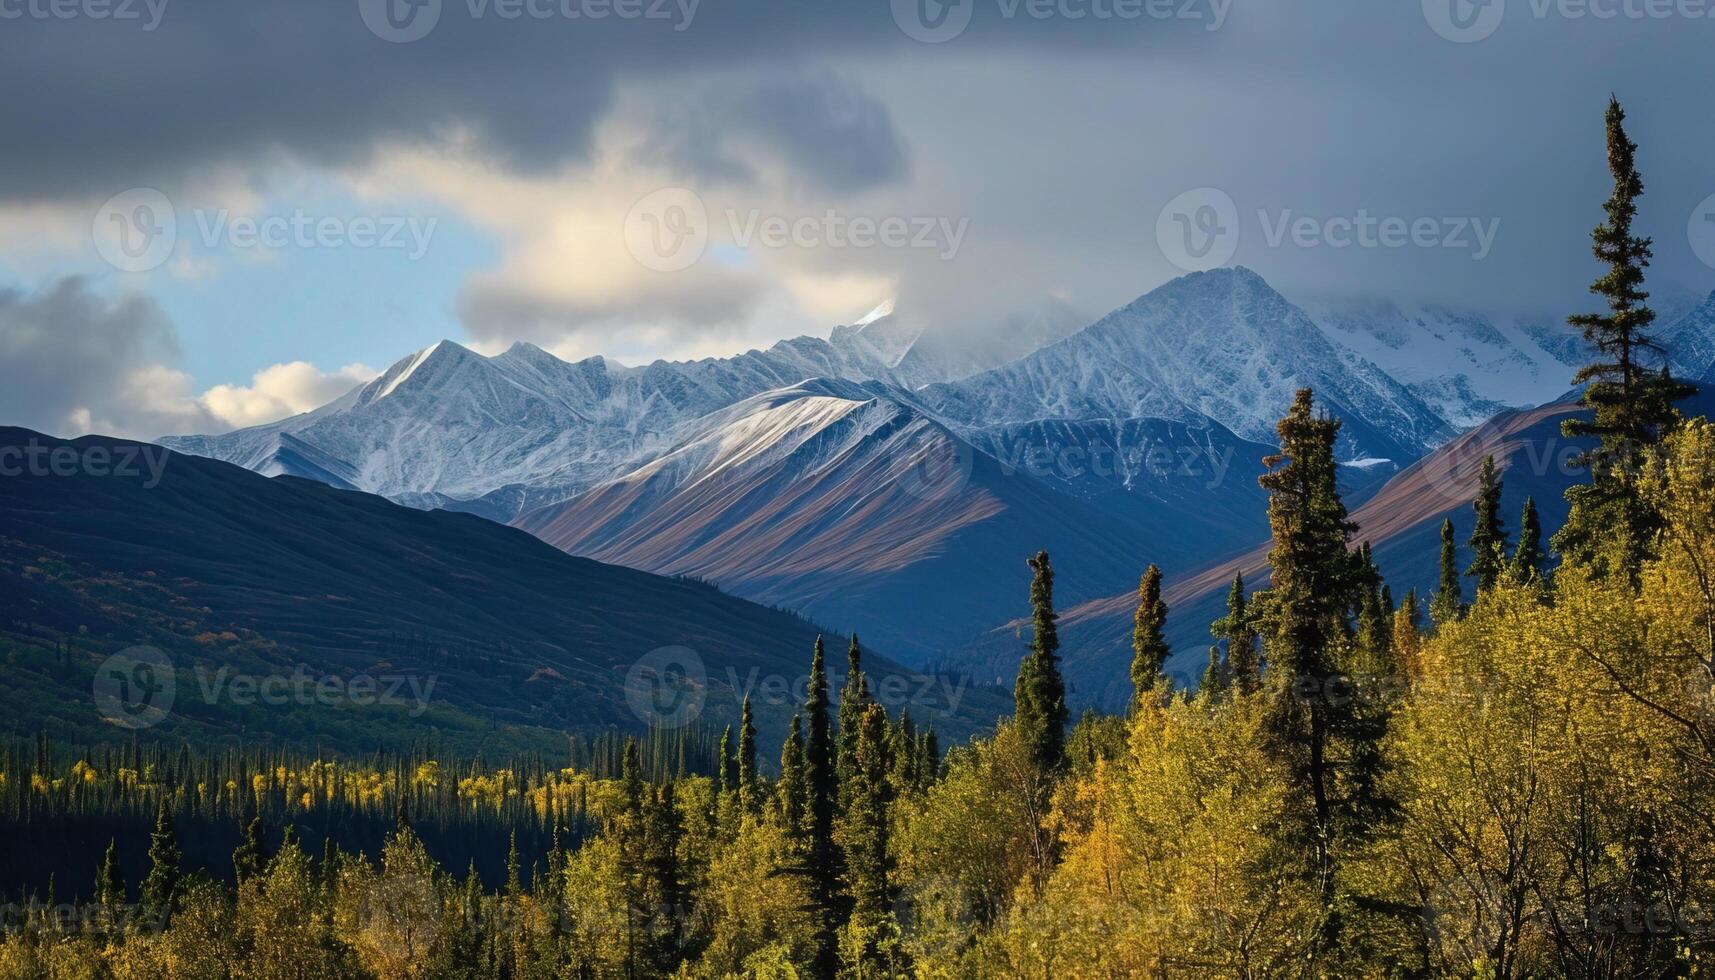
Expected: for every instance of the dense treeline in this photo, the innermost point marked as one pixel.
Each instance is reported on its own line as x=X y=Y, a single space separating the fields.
x=62 y=805
x=1515 y=784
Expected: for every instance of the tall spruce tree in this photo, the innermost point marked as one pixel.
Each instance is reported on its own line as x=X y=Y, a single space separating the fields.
x=1527 y=559
x=1610 y=527
x=1449 y=602
x=823 y=857
x=854 y=697
x=1243 y=672
x=727 y=777
x=109 y=880
x=1039 y=694
x=747 y=759
x=1308 y=603
x=161 y=885
x=1488 y=534
x=250 y=857
x=794 y=790
x=868 y=859
x=1149 y=650
x=1214 y=683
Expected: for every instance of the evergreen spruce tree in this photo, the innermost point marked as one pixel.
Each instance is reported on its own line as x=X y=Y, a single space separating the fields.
x=1449 y=602
x=1039 y=694
x=1149 y=650
x=1309 y=599
x=727 y=779
x=902 y=750
x=110 y=881
x=854 y=697
x=930 y=762
x=1214 y=683
x=1243 y=672
x=747 y=759
x=1488 y=535
x=794 y=790
x=668 y=889
x=161 y=885
x=868 y=860
x=1610 y=527
x=251 y=856
x=823 y=858
x=1528 y=558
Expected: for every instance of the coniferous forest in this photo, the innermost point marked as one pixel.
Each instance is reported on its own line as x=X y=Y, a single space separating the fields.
x=1513 y=776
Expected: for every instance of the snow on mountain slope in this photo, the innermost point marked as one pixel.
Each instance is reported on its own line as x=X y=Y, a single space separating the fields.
x=836 y=499
x=1221 y=345
x=1690 y=341
x=1467 y=366
x=447 y=427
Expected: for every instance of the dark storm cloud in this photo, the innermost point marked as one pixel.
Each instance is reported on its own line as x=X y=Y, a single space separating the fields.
x=69 y=351
x=94 y=106
x=496 y=312
x=824 y=127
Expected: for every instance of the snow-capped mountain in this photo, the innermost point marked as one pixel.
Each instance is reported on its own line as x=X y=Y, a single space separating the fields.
x=1218 y=345
x=880 y=479
x=837 y=499
x=1465 y=365
x=447 y=427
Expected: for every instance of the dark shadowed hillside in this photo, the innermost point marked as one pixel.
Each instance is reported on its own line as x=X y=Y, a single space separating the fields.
x=507 y=640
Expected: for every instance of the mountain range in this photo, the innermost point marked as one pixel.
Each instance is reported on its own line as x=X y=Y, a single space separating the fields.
x=877 y=480
x=511 y=642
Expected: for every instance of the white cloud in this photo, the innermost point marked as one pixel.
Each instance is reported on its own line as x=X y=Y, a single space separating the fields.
x=280 y=391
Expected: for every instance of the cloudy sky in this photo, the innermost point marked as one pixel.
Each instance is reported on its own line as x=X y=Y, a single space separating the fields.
x=218 y=212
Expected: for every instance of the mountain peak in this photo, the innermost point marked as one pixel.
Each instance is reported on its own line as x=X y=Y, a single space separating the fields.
x=432 y=362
